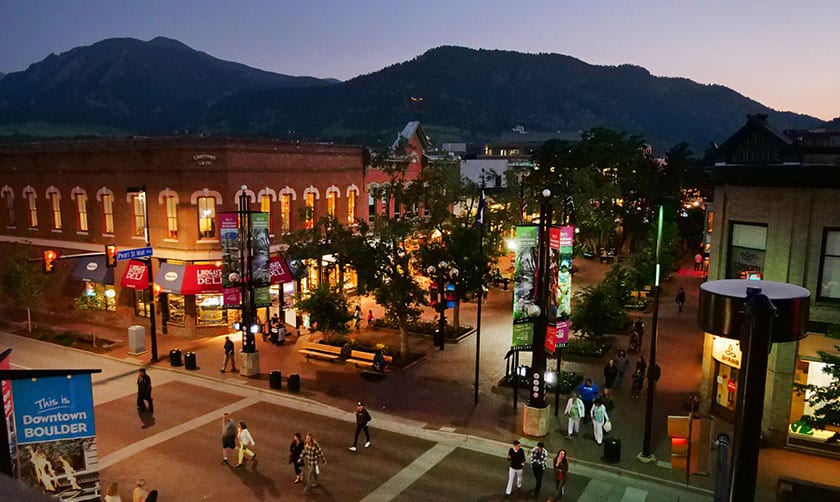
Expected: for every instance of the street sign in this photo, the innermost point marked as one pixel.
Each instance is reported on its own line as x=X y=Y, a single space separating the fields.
x=128 y=254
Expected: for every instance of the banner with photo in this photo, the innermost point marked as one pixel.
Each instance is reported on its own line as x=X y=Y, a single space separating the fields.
x=9 y=410
x=229 y=241
x=260 y=250
x=525 y=286
x=56 y=436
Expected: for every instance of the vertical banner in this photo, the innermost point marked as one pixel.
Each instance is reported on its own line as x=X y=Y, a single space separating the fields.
x=260 y=250
x=56 y=436
x=9 y=409
x=525 y=286
x=564 y=278
x=229 y=241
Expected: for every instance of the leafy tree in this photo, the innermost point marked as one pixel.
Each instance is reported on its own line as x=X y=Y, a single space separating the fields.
x=825 y=399
x=22 y=280
x=600 y=308
x=327 y=306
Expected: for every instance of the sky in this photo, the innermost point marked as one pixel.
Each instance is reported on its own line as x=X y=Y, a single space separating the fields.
x=781 y=53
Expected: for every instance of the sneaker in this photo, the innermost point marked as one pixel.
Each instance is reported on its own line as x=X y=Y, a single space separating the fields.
x=352 y=448
x=367 y=444
x=224 y=462
x=222 y=370
x=254 y=458
x=238 y=466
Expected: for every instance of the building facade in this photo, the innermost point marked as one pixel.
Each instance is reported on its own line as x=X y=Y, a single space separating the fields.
x=775 y=217
x=76 y=197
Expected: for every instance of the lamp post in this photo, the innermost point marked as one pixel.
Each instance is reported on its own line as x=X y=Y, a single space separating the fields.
x=141 y=193
x=443 y=272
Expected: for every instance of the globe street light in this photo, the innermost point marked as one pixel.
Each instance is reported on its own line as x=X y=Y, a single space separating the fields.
x=442 y=273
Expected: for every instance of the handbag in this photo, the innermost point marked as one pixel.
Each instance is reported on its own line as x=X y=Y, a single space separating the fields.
x=607 y=426
x=317 y=470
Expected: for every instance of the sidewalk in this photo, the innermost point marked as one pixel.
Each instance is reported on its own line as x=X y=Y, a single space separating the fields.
x=439 y=390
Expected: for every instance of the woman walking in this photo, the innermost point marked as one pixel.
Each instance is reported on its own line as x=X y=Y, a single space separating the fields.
x=599 y=418
x=246 y=443
x=311 y=457
x=561 y=472
x=295 y=449
x=610 y=374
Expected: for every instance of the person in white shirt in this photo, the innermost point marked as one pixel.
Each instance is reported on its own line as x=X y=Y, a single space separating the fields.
x=574 y=410
x=246 y=443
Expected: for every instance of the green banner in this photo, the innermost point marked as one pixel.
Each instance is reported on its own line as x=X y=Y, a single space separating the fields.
x=262 y=296
x=525 y=285
x=260 y=250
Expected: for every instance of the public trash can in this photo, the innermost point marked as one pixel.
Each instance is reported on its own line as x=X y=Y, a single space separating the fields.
x=189 y=361
x=275 y=379
x=175 y=357
x=612 y=450
x=294 y=383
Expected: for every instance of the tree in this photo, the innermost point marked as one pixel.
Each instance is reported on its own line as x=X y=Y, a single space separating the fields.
x=22 y=280
x=327 y=306
x=600 y=308
x=825 y=399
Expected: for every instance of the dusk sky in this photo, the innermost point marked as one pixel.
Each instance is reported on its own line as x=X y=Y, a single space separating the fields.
x=781 y=53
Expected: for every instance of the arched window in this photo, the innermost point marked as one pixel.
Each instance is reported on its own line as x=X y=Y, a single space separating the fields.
x=9 y=204
x=169 y=199
x=106 y=196
x=79 y=195
x=54 y=196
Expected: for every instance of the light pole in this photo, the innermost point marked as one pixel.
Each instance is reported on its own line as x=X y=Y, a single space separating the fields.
x=442 y=273
x=141 y=193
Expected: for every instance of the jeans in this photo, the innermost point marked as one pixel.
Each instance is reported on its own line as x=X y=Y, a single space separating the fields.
x=514 y=474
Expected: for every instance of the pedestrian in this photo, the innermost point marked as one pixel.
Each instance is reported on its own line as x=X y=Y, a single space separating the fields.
x=311 y=457
x=140 y=493
x=246 y=444
x=638 y=382
x=599 y=418
x=539 y=456
x=295 y=449
x=561 y=472
x=153 y=496
x=357 y=318
x=622 y=364
x=516 y=459
x=698 y=262
x=144 y=391
x=229 y=356
x=362 y=420
x=587 y=392
x=370 y=318
x=228 y=436
x=639 y=328
x=680 y=299
x=610 y=375
x=641 y=365
x=574 y=410
x=113 y=493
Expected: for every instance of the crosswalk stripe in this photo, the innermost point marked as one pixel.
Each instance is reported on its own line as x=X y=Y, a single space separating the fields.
x=634 y=495
x=410 y=473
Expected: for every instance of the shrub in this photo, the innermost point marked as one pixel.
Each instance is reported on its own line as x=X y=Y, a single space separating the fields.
x=423 y=327
x=594 y=347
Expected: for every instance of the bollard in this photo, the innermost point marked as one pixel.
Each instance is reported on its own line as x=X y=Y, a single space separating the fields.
x=294 y=383
x=189 y=361
x=175 y=357
x=275 y=379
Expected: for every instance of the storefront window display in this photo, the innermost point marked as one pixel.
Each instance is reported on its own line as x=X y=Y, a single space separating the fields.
x=810 y=371
x=727 y=355
x=177 y=313
x=210 y=310
x=141 y=303
x=98 y=297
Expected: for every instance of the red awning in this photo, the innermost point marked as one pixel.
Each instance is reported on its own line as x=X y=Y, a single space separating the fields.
x=200 y=279
x=135 y=276
x=279 y=271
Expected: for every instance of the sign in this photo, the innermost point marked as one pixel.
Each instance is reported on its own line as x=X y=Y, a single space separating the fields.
x=135 y=276
x=525 y=309
x=129 y=254
x=231 y=252
x=727 y=351
x=260 y=250
x=731 y=386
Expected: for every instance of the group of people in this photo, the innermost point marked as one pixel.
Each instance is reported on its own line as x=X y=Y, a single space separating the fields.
x=140 y=493
x=539 y=462
x=357 y=318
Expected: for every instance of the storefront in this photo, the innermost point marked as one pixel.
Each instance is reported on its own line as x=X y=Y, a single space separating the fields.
x=726 y=353
x=282 y=291
x=136 y=278
x=98 y=292
x=192 y=294
x=809 y=371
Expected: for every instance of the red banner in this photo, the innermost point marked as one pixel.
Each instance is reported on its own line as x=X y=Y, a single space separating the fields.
x=200 y=279
x=136 y=275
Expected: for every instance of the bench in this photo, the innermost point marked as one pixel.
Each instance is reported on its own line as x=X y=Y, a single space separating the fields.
x=365 y=359
x=321 y=350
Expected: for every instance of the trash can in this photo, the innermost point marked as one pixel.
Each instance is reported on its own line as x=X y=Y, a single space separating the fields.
x=612 y=450
x=175 y=357
x=189 y=361
x=294 y=383
x=275 y=379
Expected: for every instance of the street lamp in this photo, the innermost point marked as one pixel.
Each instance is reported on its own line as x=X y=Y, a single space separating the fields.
x=141 y=194
x=442 y=273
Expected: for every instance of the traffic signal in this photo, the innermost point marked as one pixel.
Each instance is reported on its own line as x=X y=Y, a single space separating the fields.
x=49 y=261
x=110 y=255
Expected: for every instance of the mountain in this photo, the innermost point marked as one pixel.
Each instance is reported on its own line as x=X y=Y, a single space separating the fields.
x=127 y=84
x=459 y=93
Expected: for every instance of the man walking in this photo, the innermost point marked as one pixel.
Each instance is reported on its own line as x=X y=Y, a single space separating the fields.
x=357 y=318
x=228 y=436
x=587 y=392
x=516 y=457
x=362 y=419
x=574 y=410
x=680 y=299
x=144 y=391
x=229 y=355
x=538 y=461
x=622 y=364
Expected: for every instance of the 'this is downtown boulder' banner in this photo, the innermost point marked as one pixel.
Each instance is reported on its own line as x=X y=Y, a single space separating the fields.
x=56 y=435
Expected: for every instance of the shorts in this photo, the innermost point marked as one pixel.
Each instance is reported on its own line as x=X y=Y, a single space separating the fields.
x=228 y=441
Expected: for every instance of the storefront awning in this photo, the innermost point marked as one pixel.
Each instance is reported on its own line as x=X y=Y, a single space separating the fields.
x=135 y=276
x=279 y=270
x=93 y=269
x=189 y=279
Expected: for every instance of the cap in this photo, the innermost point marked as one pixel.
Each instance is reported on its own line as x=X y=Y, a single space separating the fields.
x=360 y=403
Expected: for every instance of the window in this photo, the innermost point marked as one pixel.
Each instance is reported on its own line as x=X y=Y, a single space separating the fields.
x=107 y=213
x=351 y=207
x=331 y=204
x=171 y=204
x=9 y=199
x=746 y=251
x=32 y=208
x=710 y=222
x=285 y=212
x=310 y=210
x=141 y=302
x=55 y=207
x=81 y=210
x=265 y=207
x=830 y=265
x=206 y=217
x=138 y=209
x=371 y=206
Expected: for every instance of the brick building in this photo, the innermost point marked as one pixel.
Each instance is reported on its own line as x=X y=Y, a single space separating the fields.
x=74 y=197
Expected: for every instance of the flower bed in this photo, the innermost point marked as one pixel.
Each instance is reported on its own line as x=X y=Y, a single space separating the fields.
x=593 y=347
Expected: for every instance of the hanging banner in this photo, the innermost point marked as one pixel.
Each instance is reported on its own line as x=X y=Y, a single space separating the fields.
x=564 y=278
x=260 y=250
x=9 y=409
x=229 y=241
x=56 y=436
x=525 y=286
x=232 y=298
x=262 y=296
